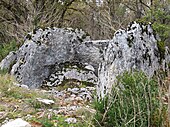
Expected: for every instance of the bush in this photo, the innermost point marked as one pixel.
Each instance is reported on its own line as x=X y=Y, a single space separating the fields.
x=134 y=102
x=5 y=48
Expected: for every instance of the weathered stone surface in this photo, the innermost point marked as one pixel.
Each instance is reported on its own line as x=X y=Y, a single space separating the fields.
x=17 y=123
x=43 y=57
x=7 y=62
x=42 y=50
x=131 y=49
x=72 y=72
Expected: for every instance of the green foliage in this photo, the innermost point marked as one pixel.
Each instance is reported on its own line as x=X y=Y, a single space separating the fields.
x=133 y=103
x=161 y=22
x=3 y=71
x=5 y=48
x=161 y=48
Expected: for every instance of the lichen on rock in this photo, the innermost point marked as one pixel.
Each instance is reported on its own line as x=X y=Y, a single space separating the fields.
x=71 y=71
x=129 y=50
x=46 y=52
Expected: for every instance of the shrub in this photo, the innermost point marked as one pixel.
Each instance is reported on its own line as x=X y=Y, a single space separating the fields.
x=6 y=48
x=134 y=102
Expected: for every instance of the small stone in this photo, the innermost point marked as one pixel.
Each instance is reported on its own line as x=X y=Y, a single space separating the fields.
x=91 y=88
x=59 y=94
x=79 y=99
x=73 y=108
x=83 y=89
x=45 y=101
x=89 y=67
x=71 y=120
x=28 y=116
x=17 y=123
x=73 y=95
x=73 y=90
x=24 y=86
x=85 y=95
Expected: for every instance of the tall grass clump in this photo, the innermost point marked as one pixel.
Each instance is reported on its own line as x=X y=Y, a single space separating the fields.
x=135 y=101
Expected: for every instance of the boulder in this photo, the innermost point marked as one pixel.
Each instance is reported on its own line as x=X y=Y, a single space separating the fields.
x=17 y=123
x=42 y=51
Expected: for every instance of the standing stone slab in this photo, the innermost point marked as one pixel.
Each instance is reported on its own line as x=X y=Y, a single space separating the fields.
x=129 y=50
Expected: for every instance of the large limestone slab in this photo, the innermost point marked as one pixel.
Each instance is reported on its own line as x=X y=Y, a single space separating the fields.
x=132 y=49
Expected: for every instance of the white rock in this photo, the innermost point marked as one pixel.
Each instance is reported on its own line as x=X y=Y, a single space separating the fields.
x=91 y=88
x=6 y=62
x=73 y=95
x=45 y=101
x=90 y=67
x=83 y=89
x=17 y=123
x=73 y=90
x=24 y=86
x=71 y=120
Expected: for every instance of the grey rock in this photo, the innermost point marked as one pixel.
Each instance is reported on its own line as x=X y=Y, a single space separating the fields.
x=91 y=88
x=71 y=120
x=59 y=94
x=72 y=72
x=131 y=49
x=7 y=62
x=70 y=108
x=85 y=95
x=73 y=90
x=46 y=54
x=24 y=86
x=83 y=89
x=21 y=85
x=41 y=51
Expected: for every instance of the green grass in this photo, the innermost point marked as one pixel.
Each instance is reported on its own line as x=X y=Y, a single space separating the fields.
x=137 y=104
x=19 y=102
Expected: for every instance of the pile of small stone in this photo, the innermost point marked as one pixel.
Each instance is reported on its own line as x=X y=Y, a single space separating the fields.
x=79 y=94
x=72 y=100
